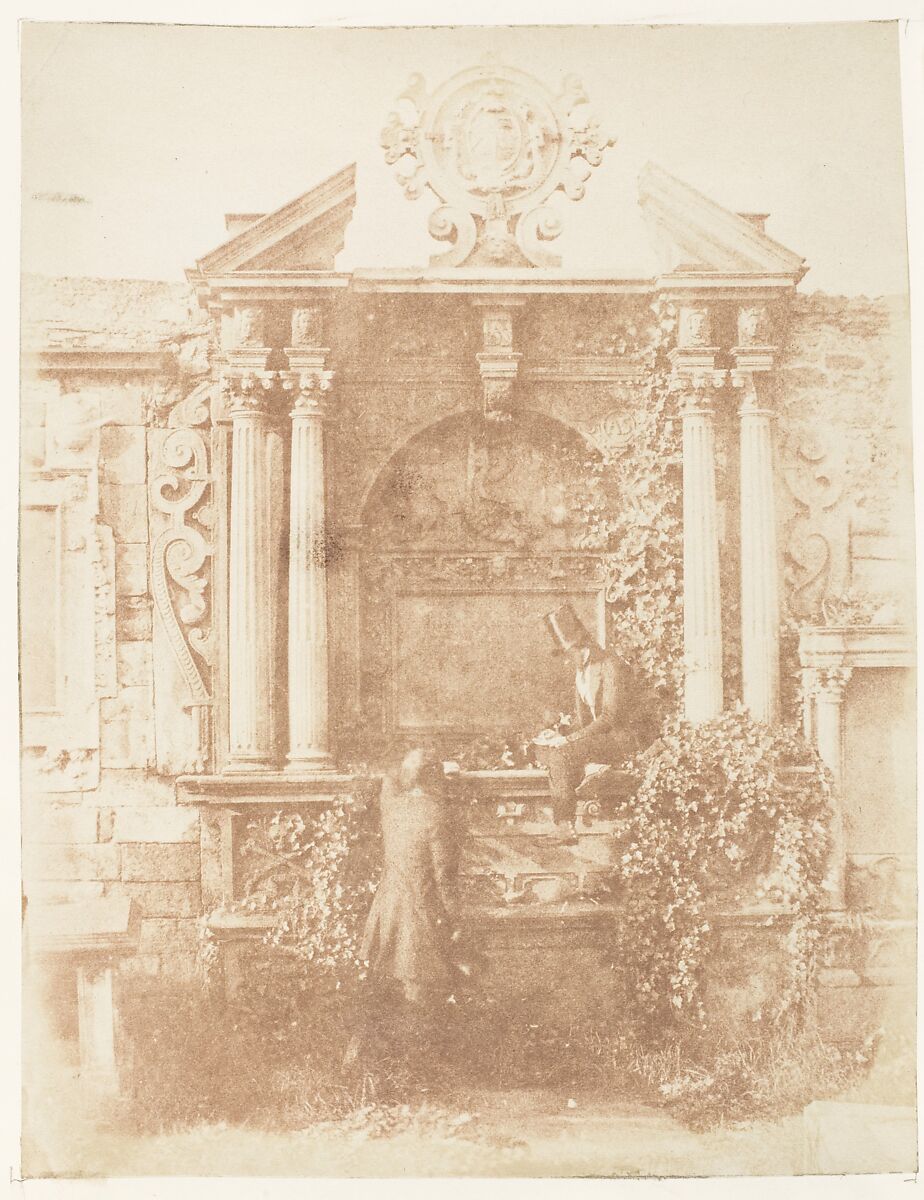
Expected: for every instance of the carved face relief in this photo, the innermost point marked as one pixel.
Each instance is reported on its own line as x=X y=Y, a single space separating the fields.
x=307 y=327
x=249 y=326
x=694 y=327
x=752 y=326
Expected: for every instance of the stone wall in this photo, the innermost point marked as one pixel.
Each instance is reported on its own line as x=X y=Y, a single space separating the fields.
x=98 y=820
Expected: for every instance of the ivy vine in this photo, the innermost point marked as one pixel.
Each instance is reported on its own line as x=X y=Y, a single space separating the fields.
x=730 y=813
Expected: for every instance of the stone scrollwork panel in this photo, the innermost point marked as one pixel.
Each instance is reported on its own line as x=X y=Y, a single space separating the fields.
x=816 y=533
x=181 y=552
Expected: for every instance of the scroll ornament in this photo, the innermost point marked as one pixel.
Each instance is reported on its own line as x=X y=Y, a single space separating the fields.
x=815 y=537
x=179 y=560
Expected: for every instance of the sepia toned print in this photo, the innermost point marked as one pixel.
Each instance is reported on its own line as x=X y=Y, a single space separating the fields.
x=467 y=708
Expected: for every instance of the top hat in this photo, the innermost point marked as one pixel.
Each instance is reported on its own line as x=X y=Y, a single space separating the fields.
x=567 y=628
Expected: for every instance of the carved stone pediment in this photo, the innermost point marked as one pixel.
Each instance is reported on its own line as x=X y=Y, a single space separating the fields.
x=305 y=234
x=694 y=233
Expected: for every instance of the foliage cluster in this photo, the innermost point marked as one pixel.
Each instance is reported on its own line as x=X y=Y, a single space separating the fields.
x=729 y=813
x=636 y=518
x=312 y=873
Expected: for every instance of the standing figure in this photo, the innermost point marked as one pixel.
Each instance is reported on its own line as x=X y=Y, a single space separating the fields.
x=614 y=715
x=412 y=940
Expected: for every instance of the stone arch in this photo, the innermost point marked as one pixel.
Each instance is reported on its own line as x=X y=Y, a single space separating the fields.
x=470 y=532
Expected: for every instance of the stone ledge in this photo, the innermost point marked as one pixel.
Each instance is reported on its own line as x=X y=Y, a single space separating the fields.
x=258 y=789
x=109 y=926
x=86 y=361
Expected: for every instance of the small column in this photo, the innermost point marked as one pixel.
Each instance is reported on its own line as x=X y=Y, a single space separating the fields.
x=760 y=605
x=694 y=375
x=829 y=686
x=96 y=1026
x=256 y=480
x=309 y=747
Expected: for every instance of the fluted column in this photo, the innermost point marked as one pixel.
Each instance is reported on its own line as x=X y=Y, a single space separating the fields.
x=702 y=610
x=309 y=382
x=694 y=375
x=256 y=487
x=829 y=685
x=760 y=604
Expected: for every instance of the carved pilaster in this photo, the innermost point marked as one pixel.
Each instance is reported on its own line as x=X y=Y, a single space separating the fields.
x=309 y=384
x=760 y=604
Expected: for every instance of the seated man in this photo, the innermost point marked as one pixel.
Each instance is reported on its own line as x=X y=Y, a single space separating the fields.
x=614 y=715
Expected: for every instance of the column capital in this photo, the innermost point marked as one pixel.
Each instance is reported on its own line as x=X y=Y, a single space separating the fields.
x=696 y=386
x=248 y=393
x=309 y=388
x=830 y=683
x=756 y=387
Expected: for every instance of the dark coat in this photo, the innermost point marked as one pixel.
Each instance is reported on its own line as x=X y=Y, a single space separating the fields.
x=620 y=715
x=408 y=937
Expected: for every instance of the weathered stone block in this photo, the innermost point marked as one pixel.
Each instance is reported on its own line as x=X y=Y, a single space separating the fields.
x=125 y=509
x=122 y=454
x=133 y=664
x=134 y=788
x=845 y=362
x=123 y=405
x=140 y=965
x=133 y=618
x=159 y=824
x=32 y=447
x=64 y=891
x=166 y=937
x=127 y=728
x=164 y=899
x=100 y=862
x=45 y=824
x=802 y=377
x=150 y=860
x=131 y=569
